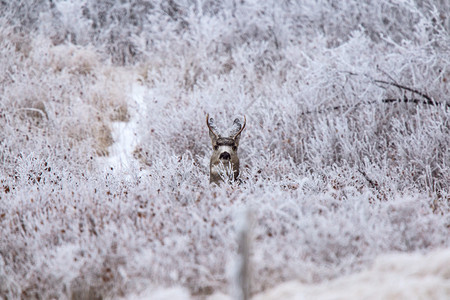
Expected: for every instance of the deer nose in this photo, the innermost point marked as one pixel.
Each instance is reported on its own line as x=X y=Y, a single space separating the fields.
x=224 y=155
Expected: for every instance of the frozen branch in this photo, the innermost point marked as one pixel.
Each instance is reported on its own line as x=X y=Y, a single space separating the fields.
x=242 y=279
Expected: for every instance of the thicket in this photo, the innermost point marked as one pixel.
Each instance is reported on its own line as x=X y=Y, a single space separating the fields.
x=345 y=155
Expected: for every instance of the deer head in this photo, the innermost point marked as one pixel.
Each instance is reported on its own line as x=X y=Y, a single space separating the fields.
x=224 y=164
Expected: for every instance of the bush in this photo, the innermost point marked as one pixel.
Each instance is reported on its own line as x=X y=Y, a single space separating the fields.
x=104 y=147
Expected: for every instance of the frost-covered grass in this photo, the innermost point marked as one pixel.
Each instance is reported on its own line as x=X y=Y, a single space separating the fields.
x=335 y=172
x=399 y=276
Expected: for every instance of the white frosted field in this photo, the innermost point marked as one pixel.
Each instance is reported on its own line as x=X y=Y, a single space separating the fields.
x=104 y=149
x=394 y=276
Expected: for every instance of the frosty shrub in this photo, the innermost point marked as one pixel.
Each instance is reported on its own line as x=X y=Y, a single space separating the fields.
x=344 y=157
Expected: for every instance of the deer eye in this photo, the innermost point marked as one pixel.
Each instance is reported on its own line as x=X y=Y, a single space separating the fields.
x=216 y=147
x=234 y=148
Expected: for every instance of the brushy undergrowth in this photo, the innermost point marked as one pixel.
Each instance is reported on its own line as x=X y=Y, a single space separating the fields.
x=336 y=170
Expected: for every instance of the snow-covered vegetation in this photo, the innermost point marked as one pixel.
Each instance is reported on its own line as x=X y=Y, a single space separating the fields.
x=104 y=173
x=404 y=276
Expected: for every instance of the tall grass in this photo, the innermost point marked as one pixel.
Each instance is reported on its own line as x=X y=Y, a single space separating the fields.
x=336 y=171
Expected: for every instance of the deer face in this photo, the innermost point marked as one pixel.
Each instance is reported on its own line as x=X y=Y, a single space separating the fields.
x=224 y=162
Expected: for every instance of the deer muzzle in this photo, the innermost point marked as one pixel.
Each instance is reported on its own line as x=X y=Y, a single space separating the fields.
x=225 y=156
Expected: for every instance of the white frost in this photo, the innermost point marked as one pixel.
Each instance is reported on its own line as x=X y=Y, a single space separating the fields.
x=395 y=276
x=125 y=135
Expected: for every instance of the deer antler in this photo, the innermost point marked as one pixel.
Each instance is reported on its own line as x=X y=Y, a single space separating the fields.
x=240 y=130
x=209 y=126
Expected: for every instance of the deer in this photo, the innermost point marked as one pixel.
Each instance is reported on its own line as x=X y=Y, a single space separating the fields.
x=224 y=164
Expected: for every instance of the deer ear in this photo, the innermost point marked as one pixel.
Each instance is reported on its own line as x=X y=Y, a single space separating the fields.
x=212 y=128
x=212 y=136
x=237 y=129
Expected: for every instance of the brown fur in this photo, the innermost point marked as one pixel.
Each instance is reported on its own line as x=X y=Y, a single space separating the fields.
x=224 y=162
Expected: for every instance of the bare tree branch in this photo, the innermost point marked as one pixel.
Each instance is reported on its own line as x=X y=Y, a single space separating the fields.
x=427 y=99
